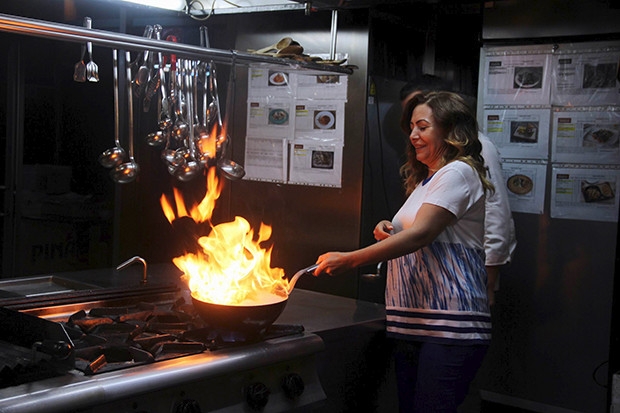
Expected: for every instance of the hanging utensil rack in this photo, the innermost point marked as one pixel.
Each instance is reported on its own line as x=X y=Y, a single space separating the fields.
x=77 y=34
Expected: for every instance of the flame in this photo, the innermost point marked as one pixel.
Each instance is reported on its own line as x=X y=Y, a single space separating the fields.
x=207 y=143
x=231 y=267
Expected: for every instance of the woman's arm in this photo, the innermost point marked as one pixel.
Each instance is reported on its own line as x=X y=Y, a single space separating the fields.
x=430 y=221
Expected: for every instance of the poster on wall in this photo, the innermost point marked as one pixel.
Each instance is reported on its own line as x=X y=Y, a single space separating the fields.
x=525 y=184
x=295 y=126
x=270 y=81
x=316 y=163
x=586 y=77
x=321 y=86
x=586 y=135
x=518 y=132
x=515 y=76
x=585 y=193
x=322 y=119
x=271 y=117
x=266 y=159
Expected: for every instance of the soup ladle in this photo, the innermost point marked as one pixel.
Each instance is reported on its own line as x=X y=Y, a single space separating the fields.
x=164 y=116
x=231 y=169
x=113 y=157
x=191 y=167
x=128 y=171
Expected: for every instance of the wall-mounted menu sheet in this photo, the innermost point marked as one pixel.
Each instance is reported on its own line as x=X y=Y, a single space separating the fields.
x=265 y=159
x=322 y=119
x=586 y=135
x=515 y=76
x=586 y=77
x=270 y=81
x=525 y=182
x=271 y=117
x=295 y=126
x=316 y=163
x=518 y=132
x=585 y=193
x=321 y=85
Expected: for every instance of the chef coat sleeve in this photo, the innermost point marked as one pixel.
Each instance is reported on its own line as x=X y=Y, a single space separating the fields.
x=499 y=230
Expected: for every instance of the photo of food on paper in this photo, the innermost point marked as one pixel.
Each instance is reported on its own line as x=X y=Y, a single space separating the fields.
x=520 y=184
x=278 y=117
x=328 y=78
x=324 y=119
x=528 y=77
x=278 y=79
x=600 y=76
x=524 y=132
x=323 y=159
x=602 y=135
x=597 y=191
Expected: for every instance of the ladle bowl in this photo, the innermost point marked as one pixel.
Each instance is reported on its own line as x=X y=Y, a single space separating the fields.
x=156 y=138
x=112 y=157
x=125 y=172
x=168 y=155
x=180 y=129
x=188 y=171
x=231 y=169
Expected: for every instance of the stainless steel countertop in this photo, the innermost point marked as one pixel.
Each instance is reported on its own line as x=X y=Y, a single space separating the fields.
x=318 y=312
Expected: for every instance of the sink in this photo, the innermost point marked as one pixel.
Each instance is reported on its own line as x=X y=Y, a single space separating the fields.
x=41 y=285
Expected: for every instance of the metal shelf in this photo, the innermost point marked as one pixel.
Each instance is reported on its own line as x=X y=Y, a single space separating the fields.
x=77 y=34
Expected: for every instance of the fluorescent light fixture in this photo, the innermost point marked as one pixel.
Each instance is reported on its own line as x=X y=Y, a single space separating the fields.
x=215 y=4
x=162 y=4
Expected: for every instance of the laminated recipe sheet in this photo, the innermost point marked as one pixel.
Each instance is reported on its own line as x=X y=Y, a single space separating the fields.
x=525 y=183
x=295 y=126
x=586 y=75
x=518 y=132
x=515 y=76
x=586 y=193
x=586 y=135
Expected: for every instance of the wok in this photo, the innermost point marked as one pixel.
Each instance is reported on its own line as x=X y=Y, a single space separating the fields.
x=248 y=320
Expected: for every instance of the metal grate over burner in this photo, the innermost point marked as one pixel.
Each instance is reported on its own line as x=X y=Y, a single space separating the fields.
x=108 y=338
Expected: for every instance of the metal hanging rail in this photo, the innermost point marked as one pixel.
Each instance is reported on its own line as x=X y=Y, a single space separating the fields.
x=77 y=34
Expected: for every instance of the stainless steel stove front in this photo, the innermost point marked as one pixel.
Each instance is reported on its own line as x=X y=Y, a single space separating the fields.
x=275 y=375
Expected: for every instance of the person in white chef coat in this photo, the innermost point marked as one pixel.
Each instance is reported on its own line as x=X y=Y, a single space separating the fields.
x=437 y=307
x=499 y=235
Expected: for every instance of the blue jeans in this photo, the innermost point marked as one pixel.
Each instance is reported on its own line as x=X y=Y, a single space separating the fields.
x=434 y=378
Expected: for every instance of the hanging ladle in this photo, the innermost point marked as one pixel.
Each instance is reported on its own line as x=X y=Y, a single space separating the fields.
x=191 y=167
x=231 y=169
x=205 y=141
x=128 y=171
x=144 y=70
x=113 y=157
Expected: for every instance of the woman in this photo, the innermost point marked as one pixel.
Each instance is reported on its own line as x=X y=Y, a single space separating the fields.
x=436 y=300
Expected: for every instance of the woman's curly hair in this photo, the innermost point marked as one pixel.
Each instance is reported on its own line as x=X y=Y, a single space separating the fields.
x=456 y=119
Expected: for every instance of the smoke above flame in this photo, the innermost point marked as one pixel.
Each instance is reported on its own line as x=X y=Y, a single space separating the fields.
x=231 y=267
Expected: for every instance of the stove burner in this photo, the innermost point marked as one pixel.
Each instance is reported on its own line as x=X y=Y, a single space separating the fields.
x=113 y=338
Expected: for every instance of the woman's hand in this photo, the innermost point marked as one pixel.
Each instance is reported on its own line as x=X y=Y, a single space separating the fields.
x=383 y=230
x=334 y=263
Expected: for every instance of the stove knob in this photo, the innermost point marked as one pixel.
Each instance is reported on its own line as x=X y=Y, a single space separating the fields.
x=187 y=406
x=257 y=395
x=293 y=385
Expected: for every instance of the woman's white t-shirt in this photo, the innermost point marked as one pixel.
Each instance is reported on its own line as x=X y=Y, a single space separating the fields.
x=438 y=293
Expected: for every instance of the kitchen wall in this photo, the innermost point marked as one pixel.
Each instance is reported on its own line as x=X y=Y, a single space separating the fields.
x=553 y=317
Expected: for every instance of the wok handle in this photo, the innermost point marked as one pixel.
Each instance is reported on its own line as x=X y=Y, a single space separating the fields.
x=299 y=273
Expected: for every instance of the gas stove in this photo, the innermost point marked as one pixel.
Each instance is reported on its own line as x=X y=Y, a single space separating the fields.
x=154 y=354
